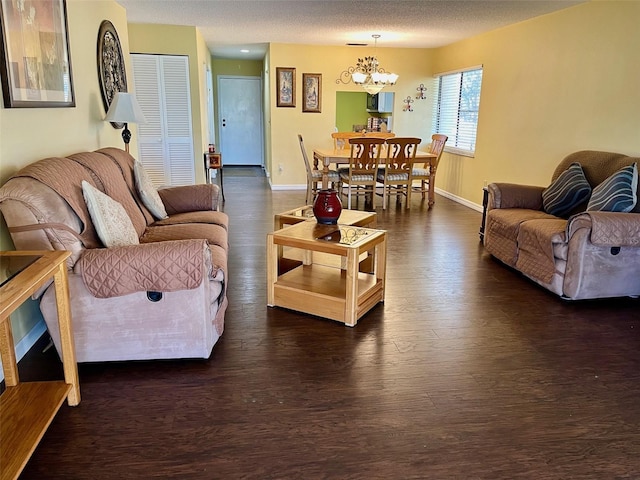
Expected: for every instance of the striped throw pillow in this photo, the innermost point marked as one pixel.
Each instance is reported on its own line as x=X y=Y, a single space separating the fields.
x=566 y=192
x=618 y=193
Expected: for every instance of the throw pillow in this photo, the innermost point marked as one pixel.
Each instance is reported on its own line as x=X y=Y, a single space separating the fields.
x=113 y=225
x=148 y=192
x=566 y=192
x=618 y=193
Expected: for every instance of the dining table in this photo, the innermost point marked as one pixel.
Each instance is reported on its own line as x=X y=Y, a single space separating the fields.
x=327 y=156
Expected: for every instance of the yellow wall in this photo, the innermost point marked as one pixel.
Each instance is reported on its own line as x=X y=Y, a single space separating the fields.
x=29 y=134
x=413 y=66
x=181 y=40
x=552 y=85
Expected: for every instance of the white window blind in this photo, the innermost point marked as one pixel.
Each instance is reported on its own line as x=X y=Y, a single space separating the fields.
x=456 y=109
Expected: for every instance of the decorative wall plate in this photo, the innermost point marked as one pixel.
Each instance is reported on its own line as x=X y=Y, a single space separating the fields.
x=111 y=69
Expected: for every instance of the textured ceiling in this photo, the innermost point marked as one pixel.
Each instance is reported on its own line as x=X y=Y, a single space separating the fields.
x=231 y=25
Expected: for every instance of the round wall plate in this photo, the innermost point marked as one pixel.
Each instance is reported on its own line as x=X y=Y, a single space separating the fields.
x=111 y=69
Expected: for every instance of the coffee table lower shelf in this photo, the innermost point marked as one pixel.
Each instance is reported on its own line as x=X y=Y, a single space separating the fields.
x=321 y=290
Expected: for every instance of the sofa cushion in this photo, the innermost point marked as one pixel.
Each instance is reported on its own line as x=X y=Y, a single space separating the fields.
x=148 y=193
x=214 y=234
x=502 y=229
x=109 y=218
x=617 y=193
x=212 y=217
x=536 y=252
x=566 y=192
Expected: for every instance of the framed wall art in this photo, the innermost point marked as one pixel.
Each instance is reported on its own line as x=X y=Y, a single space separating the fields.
x=35 y=63
x=111 y=69
x=286 y=87
x=311 y=92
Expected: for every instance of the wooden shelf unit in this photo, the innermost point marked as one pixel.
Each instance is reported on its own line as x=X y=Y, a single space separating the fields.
x=27 y=409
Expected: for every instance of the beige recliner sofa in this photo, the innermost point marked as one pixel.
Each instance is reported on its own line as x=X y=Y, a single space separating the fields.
x=591 y=254
x=163 y=298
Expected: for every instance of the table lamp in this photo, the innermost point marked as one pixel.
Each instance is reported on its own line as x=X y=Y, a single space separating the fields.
x=125 y=109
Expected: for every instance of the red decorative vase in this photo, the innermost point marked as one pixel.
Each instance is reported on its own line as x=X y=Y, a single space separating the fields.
x=327 y=207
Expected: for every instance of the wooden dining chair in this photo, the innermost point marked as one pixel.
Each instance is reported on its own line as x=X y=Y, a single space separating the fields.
x=341 y=139
x=314 y=176
x=384 y=135
x=396 y=176
x=360 y=176
x=427 y=172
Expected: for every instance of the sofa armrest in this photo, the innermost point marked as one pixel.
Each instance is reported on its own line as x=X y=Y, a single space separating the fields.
x=511 y=195
x=161 y=267
x=190 y=198
x=608 y=229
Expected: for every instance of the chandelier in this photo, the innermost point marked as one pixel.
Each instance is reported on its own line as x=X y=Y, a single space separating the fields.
x=369 y=75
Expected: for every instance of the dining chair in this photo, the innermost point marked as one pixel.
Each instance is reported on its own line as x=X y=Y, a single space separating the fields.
x=396 y=176
x=384 y=135
x=314 y=176
x=427 y=173
x=341 y=139
x=363 y=168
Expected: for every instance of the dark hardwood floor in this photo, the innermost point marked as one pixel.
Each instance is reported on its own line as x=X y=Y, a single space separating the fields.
x=468 y=371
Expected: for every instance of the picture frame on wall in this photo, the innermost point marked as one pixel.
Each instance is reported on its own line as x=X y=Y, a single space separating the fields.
x=36 y=60
x=312 y=92
x=285 y=87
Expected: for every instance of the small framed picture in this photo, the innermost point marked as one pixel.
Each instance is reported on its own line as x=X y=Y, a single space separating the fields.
x=312 y=92
x=286 y=86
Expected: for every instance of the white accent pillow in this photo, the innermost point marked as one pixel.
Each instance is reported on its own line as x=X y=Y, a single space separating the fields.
x=110 y=219
x=148 y=192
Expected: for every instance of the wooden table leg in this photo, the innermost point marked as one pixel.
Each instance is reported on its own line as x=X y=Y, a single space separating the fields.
x=381 y=263
x=66 y=334
x=351 y=296
x=272 y=269
x=8 y=354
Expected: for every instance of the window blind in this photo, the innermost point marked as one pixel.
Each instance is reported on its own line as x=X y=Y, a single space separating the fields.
x=456 y=109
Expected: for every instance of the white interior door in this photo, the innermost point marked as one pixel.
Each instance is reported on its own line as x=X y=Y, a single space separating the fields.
x=165 y=141
x=240 y=120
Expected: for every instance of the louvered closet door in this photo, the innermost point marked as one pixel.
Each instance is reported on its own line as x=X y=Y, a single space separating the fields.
x=165 y=142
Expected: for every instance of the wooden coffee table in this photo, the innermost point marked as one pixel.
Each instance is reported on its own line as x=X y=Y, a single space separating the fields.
x=342 y=293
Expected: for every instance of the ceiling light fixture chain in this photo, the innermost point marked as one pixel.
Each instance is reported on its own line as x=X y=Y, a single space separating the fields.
x=368 y=73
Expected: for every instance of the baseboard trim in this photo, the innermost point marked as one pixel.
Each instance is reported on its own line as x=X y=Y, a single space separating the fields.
x=28 y=341
x=287 y=187
x=457 y=199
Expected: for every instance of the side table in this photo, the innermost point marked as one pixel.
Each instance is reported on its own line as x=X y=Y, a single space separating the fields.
x=27 y=409
x=213 y=161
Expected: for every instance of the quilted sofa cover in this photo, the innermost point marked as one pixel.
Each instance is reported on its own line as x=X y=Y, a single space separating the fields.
x=165 y=298
x=588 y=255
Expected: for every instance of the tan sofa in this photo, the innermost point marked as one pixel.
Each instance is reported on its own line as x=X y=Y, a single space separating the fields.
x=587 y=255
x=163 y=298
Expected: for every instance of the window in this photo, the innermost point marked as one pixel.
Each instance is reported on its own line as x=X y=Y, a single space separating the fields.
x=456 y=109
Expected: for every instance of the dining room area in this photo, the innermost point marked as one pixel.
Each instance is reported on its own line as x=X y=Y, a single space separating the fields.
x=380 y=163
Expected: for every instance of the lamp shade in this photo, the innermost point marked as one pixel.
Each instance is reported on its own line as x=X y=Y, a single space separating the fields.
x=125 y=109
